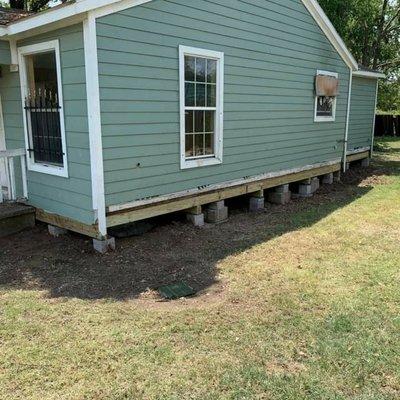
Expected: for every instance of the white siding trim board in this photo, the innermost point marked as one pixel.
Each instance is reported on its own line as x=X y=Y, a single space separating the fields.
x=94 y=121
x=24 y=51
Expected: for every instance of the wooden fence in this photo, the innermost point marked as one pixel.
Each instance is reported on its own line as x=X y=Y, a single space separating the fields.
x=387 y=125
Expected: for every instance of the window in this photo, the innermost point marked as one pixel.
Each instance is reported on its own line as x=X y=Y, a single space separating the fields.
x=43 y=108
x=201 y=88
x=326 y=92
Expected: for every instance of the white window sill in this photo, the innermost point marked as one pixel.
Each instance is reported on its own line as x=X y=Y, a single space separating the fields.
x=48 y=169
x=324 y=119
x=200 y=162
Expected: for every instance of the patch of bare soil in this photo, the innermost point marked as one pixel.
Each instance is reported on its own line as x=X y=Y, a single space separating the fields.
x=172 y=252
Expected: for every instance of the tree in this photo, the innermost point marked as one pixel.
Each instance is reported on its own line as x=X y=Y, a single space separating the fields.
x=31 y=5
x=371 y=29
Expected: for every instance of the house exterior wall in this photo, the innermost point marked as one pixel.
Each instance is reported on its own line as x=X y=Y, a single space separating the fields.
x=5 y=53
x=272 y=53
x=70 y=197
x=362 y=113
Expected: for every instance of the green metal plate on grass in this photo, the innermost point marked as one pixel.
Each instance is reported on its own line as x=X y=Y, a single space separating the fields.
x=176 y=291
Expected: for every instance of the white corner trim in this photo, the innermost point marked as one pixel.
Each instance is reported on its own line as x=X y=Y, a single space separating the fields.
x=369 y=74
x=217 y=158
x=346 y=136
x=34 y=49
x=374 y=120
x=14 y=67
x=94 y=121
x=326 y=25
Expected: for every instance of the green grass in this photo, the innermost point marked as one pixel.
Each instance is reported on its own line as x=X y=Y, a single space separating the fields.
x=311 y=312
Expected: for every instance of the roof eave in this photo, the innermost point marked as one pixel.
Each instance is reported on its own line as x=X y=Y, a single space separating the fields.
x=369 y=74
x=326 y=25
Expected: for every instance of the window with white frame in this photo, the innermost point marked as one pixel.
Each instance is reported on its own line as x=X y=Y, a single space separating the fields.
x=326 y=92
x=43 y=107
x=201 y=92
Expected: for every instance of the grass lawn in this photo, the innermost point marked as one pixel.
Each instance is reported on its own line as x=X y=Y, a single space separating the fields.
x=300 y=302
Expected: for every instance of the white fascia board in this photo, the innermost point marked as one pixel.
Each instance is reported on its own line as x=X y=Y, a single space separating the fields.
x=369 y=74
x=326 y=25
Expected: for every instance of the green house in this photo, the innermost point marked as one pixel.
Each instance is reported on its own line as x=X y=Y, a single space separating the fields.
x=114 y=111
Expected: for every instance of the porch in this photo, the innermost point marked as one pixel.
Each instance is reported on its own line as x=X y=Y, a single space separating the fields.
x=15 y=215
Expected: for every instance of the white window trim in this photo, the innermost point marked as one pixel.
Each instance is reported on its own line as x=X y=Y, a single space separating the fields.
x=36 y=49
x=219 y=118
x=333 y=117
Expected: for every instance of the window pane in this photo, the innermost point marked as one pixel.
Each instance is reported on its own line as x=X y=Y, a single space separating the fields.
x=43 y=108
x=190 y=94
x=199 y=145
x=325 y=106
x=200 y=69
x=209 y=144
x=209 y=121
x=199 y=121
x=190 y=65
x=189 y=121
x=189 y=147
x=211 y=95
x=200 y=95
x=211 y=71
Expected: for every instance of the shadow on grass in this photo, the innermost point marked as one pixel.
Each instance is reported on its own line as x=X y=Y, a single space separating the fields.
x=174 y=251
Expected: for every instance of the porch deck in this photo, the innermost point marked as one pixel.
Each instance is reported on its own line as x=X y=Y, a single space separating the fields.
x=15 y=217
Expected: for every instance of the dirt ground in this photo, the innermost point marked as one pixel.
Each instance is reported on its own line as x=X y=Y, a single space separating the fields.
x=173 y=251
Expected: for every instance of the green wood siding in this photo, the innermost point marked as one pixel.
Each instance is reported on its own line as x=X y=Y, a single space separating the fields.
x=5 y=53
x=272 y=52
x=362 y=113
x=70 y=197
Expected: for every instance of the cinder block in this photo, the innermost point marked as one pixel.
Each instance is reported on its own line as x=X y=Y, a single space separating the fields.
x=328 y=179
x=196 y=219
x=218 y=205
x=216 y=212
x=347 y=166
x=315 y=184
x=56 y=231
x=256 y=204
x=307 y=190
x=282 y=189
x=105 y=245
x=337 y=176
x=365 y=162
x=279 y=198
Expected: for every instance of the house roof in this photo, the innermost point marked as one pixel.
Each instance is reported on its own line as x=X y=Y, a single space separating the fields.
x=368 y=73
x=76 y=10
x=10 y=15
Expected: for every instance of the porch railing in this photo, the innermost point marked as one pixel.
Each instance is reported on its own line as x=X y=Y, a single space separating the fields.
x=8 y=157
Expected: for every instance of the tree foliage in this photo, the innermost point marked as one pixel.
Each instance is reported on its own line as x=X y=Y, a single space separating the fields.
x=31 y=5
x=371 y=29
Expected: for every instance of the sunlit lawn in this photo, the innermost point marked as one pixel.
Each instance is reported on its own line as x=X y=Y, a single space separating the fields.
x=311 y=313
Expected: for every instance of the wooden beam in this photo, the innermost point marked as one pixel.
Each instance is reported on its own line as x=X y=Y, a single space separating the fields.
x=358 y=156
x=67 y=223
x=168 y=206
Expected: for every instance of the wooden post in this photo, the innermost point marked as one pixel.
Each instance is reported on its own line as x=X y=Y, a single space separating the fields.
x=12 y=179
x=24 y=179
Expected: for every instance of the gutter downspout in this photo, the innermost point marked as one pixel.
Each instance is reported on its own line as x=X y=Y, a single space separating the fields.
x=374 y=122
x=346 y=136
